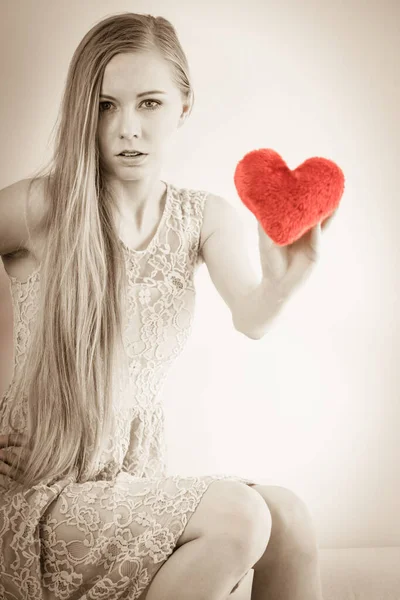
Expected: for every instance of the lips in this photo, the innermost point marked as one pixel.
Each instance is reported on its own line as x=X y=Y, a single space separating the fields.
x=130 y=152
x=134 y=160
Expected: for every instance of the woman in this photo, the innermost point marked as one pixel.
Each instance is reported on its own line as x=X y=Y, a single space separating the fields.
x=87 y=510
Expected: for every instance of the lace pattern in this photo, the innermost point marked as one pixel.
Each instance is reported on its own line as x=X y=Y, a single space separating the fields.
x=107 y=538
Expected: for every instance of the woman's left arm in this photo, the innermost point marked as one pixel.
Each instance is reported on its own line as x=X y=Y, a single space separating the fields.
x=254 y=303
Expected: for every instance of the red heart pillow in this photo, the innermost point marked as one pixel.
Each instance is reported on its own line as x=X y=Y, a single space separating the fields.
x=288 y=203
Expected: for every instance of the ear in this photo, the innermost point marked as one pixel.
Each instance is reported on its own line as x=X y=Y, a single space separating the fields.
x=184 y=115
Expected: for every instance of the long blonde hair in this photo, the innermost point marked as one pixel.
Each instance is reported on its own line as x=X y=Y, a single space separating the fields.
x=76 y=351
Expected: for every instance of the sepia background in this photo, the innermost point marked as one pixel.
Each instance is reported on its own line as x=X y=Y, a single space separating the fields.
x=314 y=405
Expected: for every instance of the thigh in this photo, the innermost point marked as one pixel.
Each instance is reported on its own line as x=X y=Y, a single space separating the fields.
x=225 y=506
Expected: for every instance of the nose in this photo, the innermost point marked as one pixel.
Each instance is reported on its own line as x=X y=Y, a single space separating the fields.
x=129 y=125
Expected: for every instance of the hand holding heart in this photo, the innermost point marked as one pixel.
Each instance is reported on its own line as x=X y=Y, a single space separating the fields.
x=289 y=206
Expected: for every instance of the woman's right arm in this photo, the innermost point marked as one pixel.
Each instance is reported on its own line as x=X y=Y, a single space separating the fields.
x=13 y=231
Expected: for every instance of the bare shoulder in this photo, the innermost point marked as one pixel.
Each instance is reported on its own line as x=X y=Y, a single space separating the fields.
x=217 y=212
x=14 y=209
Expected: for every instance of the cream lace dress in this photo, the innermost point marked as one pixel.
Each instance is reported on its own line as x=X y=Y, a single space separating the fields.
x=105 y=539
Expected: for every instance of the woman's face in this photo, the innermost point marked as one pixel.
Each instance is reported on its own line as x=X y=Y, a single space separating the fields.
x=130 y=107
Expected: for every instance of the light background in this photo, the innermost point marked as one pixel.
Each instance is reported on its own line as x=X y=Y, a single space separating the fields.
x=314 y=405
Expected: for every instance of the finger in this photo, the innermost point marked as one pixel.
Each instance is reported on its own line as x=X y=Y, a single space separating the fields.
x=6 y=456
x=5 y=469
x=12 y=439
x=3 y=440
x=274 y=258
x=267 y=241
x=274 y=264
x=13 y=456
x=9 y=470
x=327 y=222
x=300 y=269
x=9 y=463
x=6 y=440
x=315 y=242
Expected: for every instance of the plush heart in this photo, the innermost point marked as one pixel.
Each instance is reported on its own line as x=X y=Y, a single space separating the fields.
x=288 y=203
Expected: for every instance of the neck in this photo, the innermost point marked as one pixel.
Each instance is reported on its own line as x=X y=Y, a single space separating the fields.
x=138 y=201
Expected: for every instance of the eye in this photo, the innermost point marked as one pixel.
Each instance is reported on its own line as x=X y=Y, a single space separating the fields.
x=101 y=105
x=154 y=101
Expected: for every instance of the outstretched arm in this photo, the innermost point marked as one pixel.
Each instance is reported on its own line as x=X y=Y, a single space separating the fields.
x=253 y=303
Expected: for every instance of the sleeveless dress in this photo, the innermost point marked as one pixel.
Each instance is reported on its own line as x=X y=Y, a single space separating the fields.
x=105 y=539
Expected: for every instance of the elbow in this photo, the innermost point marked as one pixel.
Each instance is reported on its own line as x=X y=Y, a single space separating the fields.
x=255 y=336
x=251 y=334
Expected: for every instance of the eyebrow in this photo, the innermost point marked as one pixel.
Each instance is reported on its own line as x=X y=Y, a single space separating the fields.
x=139 y=95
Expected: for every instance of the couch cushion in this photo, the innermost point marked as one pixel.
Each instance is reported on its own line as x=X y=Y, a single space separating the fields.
x=360 y=573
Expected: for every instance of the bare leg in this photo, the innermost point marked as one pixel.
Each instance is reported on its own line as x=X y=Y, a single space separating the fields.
x=284 y=577
x=289 y=568
x=194 y=572
x=226 y=535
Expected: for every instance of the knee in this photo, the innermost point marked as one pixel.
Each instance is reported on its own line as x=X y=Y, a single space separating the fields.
x=241 y=519
x=292 y=520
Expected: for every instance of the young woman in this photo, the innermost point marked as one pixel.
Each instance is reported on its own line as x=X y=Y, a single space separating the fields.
x=101 y=256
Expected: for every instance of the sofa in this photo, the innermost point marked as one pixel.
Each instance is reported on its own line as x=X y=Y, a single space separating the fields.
x=350 y=574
